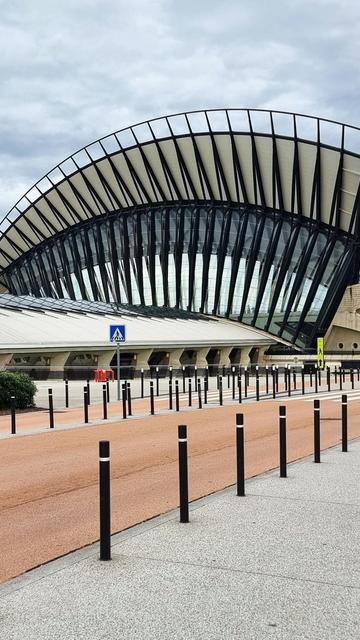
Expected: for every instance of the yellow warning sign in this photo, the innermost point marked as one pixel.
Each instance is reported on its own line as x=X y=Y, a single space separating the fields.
x=320 y=353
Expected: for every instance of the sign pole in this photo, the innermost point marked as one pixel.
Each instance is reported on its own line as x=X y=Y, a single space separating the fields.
x=118 y=369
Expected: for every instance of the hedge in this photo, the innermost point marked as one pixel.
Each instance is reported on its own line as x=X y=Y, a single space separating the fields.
x=18 y=385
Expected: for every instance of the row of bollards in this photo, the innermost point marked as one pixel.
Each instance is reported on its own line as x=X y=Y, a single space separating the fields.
x=104 y=471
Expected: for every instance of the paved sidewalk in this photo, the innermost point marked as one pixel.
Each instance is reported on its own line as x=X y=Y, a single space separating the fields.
x=281 y=563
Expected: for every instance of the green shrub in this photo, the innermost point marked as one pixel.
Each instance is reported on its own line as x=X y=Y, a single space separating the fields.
x=18 y=385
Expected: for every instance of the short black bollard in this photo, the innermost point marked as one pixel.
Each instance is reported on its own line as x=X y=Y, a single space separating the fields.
x=335 y=374
x=245 y=382
x=239 y=388
x=51 y=409
x=196 y=376
x=316 y=430
x=266 y=380
x=104 y=402
x=142 y=383
x=328 y=378
x=289 y=381
x=86 y=406
x=157 y=382
x=282 y=441
x=183 y=378
x=311 y=384
x=107 y=391
x=340 y=380
x=277 y=379
x=302 y=380
x=273 y=372
x=67 y=393
x=285 y=378
x=104 y=492
x=257 y=384
x=183 y=474
x=344 y=427
x=13 y=414
x=240 y=461
x=199 y=393
x=124 y=400
x=170 y=394
x=177 y=404
x=190 y=392
x=352 y=378
x=220 y=391
x=129 y=398
x=206 y=388
x=152 y=408
x=88 y=391
x=170 y=373
x=294 y=379
x=319 y=376
x=233 y=383
x=316 y=381
x=358 y=374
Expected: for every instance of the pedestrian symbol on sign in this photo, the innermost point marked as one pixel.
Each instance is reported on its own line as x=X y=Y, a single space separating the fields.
x=117 y=333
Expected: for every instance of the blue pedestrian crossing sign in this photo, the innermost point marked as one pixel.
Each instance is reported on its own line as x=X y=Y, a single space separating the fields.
x=117 y=333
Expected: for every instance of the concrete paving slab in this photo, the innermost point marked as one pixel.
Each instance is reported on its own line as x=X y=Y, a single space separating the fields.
x=282 y=562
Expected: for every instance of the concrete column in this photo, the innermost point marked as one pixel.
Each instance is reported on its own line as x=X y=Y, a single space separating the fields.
x=103 y=358
x=224 y=356
x=5 y=358
x=201 y=354
x=261 y=355
x=174 y=358
x=142 y=358
x=57 y=363
x=245 y=356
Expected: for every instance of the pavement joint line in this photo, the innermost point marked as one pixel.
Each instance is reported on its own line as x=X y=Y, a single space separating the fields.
x=280 y=576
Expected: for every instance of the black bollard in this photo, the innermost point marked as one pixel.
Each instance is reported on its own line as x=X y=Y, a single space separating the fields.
x=86 y=406
x=51 y=409
x=302 y=380
x=273 y=373
x=183 y=375
x=206 y=388
x=233 y=383
x=319 y=377
x=183 y=474
x=170 y=394
x=311 y=384
x=152 y=408
x=239 y=388
x=67 y=393
x=282 y=441
x=316 y=430
x=104 y=402
x=316 y=381
x=190 y=392
x=88 y=391
x=157 y=382
x=352 y=378
x=328 y=378
x=294 y=378
x=266 y=380
x=285 y=378
x=129 y=399
x=358 y=374
x=344 y=428
x=196 y=376
x=257 y=383
x=277 y=379
x=170 y=374
x=177 y=404
x=220 y=391
x=245 y=382
x=124 y=400
x=199 y=393
x=335 y=374
x=340 y=380
x=240 y=461
x=104 y=492
x=142 y=383
x=289 y=381
x=13 y=414
x=107 y=391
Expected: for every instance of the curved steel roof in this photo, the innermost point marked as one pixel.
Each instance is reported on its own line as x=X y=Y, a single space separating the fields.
x=278 y=160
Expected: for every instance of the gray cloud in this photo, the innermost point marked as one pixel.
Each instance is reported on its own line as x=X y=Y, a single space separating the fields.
x=71 y=72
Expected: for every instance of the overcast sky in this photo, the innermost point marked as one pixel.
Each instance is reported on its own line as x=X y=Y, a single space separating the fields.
x=74 y=70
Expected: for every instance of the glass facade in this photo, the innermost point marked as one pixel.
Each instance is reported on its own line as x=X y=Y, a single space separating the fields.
x=280 y=273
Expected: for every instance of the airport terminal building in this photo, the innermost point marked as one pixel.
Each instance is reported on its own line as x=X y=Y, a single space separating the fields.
x=226 y=235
